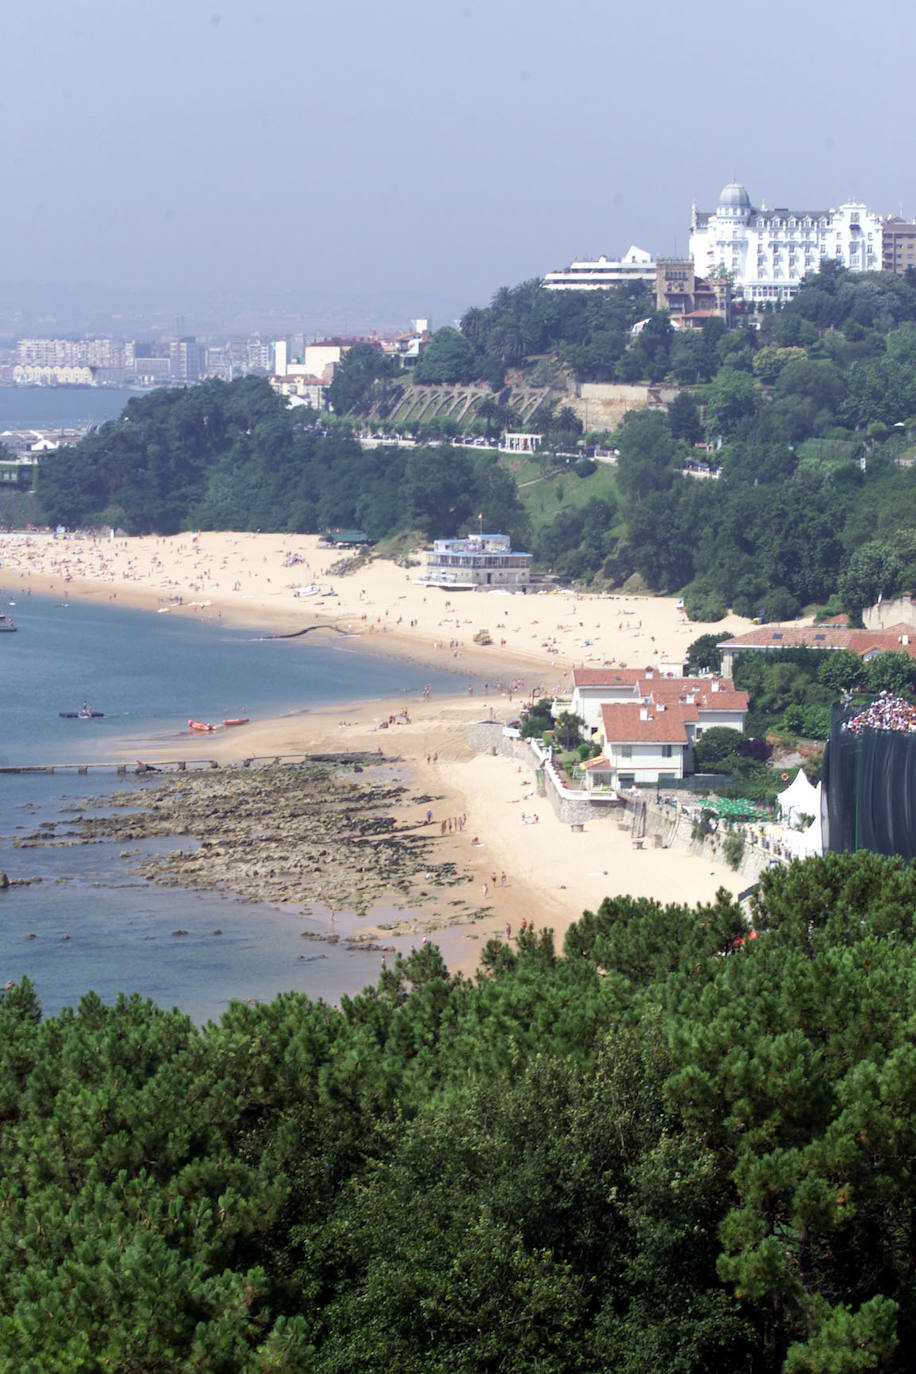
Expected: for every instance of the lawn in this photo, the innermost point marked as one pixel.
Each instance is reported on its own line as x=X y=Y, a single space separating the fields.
x=544 y=492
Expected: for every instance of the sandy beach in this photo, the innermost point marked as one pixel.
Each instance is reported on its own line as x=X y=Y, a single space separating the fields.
x=551 y=873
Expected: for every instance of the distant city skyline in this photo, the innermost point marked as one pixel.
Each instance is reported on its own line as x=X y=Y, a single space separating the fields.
x=174 y=156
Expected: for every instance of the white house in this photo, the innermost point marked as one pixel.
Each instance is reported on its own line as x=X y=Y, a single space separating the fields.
x=715 y=699
x=651 y=740
x=643 y=744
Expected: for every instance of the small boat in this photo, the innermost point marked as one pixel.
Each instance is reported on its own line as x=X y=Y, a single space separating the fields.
x=237 y=720
x=200 y=725
x=7 y=626
x=81 y=715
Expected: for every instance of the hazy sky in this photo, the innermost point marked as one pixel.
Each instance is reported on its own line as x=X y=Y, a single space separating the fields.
x=443 y=148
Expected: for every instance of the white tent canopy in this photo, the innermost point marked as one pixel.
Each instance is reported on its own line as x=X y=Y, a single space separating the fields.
x=801 y=798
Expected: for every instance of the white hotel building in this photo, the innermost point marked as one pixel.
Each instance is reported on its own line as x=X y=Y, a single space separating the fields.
x=767 y=253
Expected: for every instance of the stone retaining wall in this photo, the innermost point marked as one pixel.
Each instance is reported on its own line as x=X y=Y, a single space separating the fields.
x=666 y=825
x=572 y=807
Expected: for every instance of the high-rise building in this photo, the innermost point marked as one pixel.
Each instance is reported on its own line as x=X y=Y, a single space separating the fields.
x=184 y=355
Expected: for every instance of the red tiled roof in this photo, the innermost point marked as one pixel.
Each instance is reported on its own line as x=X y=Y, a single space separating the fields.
x=607 y=677
x=630 y=677
x=860 y=642
x=679 y=688
x=624 y=724
x=723 y=701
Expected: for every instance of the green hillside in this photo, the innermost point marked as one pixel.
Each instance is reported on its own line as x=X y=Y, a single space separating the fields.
x=805 y=413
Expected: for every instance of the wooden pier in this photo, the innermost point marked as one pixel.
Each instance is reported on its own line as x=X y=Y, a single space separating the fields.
x=148 y=767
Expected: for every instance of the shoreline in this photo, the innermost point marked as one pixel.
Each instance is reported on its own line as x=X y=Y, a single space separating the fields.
x=552 y=875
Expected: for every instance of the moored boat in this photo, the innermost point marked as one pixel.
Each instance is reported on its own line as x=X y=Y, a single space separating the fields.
x=201 y=726
x=237 y=720
x=7 y=626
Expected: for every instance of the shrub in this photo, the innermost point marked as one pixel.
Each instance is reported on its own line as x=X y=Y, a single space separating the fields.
x=537 y=720
x=733 y=848
x=780 y=604
x=704 y=654
x=714 y=746
x=705 y=604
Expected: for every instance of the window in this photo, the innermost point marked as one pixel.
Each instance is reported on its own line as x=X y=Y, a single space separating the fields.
x=626 y=751
x=667 y=751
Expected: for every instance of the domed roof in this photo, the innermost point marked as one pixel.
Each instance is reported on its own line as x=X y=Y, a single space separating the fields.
x=734 y=197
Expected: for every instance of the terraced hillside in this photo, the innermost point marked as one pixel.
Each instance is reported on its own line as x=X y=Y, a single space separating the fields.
x=419 y=404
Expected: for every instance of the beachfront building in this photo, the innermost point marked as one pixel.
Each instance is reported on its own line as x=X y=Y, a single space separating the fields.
x=866 y=643
x=767 y=253
x=482 y=561
x=644 y=744
x=650 y=742
x=713 y=700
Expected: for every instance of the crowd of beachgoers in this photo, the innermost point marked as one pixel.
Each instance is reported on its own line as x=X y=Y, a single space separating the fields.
x=886 y=712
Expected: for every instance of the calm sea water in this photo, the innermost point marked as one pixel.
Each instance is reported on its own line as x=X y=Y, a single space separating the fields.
x=149 y=673
x=59 y=407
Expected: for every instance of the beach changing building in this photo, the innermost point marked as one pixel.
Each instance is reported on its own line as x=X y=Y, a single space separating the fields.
x=479 y=562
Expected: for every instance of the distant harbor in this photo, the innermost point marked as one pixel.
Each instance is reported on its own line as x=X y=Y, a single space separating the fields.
x=59 y=407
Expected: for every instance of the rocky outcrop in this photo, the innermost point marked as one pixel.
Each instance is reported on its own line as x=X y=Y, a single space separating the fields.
x=310 y=833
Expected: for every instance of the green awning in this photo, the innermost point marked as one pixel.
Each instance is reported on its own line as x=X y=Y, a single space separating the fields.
x=735 y=810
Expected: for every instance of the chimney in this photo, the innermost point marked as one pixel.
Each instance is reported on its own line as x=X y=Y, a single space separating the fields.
x=643 y=713
x=715 y=685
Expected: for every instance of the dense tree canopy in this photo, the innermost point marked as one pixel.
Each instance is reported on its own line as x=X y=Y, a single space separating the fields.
x=233 y=456
x=671 y=1148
